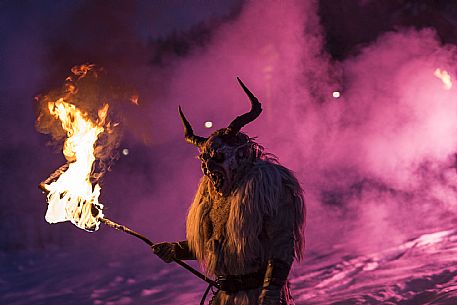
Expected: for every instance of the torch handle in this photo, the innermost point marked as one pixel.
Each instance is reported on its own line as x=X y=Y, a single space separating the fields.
x=122 y=228
x=55 y=175
x=127 y=230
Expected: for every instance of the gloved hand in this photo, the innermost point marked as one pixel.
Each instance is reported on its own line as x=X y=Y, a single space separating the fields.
x=166 y=251
x=270 y=296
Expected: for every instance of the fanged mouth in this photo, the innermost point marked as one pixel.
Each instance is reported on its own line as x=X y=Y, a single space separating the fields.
x=218 y=179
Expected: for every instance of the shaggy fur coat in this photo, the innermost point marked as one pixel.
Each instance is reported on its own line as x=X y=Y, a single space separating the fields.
x=262 y=218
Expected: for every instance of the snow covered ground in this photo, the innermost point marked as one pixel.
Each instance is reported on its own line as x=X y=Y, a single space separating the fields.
x=421 y=270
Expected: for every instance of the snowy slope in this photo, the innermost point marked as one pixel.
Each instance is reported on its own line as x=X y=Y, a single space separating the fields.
x=419 y=271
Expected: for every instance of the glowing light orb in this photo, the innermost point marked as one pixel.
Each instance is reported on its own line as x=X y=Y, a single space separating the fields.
x=125 y=151
x=336 y=94
x=208 y=124
x=445 y=78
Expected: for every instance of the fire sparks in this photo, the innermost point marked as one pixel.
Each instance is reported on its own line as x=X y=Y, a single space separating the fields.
x=445 y=78
x=82 y=70
x=72 y=196
x=134 y=99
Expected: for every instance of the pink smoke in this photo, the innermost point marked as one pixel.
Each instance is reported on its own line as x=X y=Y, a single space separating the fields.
x=377 y=162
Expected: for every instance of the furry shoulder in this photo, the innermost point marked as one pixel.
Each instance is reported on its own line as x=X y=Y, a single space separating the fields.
x=265 y=184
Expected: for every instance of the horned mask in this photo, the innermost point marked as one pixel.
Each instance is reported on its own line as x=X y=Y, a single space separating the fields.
x=227 y=152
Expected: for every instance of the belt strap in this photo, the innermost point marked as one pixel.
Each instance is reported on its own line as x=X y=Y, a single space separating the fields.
x=235 y=283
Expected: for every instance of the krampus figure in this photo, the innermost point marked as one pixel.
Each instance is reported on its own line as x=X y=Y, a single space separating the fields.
x=245 y=223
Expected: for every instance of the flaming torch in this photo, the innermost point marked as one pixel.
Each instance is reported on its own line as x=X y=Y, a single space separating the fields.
x=72 y=196
x=73 y=190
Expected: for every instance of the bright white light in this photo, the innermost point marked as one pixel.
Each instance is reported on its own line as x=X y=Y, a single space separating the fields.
x=445 y=78
x=125 y=151
x=208 y=124
x=336 y=94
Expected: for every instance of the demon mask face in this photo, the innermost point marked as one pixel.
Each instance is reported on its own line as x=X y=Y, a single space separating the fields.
x=225 y=158
x=227 y=152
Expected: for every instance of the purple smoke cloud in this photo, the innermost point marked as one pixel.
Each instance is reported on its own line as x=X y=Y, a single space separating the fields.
x=380 y=157
x=383 y=152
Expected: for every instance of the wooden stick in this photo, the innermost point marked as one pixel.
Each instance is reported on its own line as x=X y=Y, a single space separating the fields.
x=54 y=176
x=127 y=230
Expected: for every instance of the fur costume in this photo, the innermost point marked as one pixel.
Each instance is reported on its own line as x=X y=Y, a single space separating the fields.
x=245 y=223
x=265 y=218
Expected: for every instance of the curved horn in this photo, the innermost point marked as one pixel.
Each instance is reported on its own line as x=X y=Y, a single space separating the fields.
x=242 y=120
x=189 y=133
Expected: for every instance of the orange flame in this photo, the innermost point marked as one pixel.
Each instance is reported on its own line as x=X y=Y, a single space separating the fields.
x=72 y=197
x=82 y=70
x=445 y=78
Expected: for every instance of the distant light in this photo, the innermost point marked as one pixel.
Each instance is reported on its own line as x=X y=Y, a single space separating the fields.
x=445 y=78
x=125 y=151
x=336 y=94
x=208 y=124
